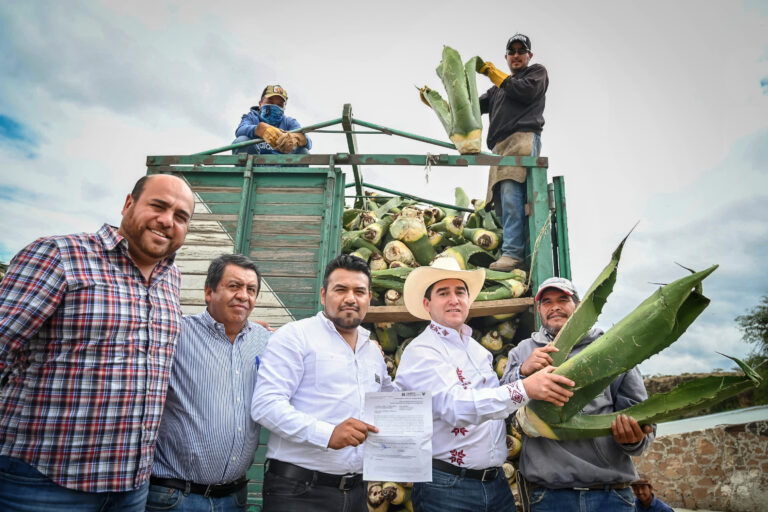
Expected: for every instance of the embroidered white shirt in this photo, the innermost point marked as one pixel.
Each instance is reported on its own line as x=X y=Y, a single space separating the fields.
x=468 y=404
x=309 y=381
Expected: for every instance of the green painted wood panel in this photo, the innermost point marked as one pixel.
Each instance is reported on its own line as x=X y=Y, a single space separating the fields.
x=272 y=180
x=293 y=198
x=286 y=226
x=291 y=284
x=288 y=209
x=293 y=254
x=284 y=240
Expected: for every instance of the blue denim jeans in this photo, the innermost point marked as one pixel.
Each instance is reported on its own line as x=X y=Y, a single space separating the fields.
x=512 y=195
x=167 y=498
x=455 y=493
x=569 y=500
x=253 y=149
x=25 y=489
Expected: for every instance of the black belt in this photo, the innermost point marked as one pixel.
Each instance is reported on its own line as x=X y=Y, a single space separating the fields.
x=294 y=472
x=484 y=475
x=599 y=487
x=209 y=491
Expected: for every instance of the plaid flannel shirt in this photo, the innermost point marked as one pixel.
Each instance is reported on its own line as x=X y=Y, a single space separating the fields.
x=85 y=353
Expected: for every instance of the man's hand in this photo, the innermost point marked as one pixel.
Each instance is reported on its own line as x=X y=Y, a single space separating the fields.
x=269 y=133
x=627 y=430
x=545 y=385
x=350 y=432
x=289 y=141
x=538 y=359
x=496 y=75
x=375 y=342
x=264 y=325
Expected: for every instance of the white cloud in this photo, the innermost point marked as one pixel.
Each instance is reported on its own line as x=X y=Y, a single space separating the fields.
x=649 y=117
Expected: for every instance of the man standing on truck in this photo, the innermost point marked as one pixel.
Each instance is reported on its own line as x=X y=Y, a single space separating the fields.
x=515 y=105
x=312 y=377
x=468 y=404
x=268 y=121
x=88 y=328
x=585 y=475
x=207 y=438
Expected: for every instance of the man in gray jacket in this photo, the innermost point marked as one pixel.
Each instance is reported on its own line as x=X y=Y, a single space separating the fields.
x=588 y=474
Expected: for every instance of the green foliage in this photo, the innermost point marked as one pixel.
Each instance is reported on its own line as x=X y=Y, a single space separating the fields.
x=755 y=327
x=754 y=324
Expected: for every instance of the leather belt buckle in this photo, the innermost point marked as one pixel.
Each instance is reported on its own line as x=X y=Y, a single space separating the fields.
x=489 y=474
x=582 y=489
x=347 y=482
x=208 y=489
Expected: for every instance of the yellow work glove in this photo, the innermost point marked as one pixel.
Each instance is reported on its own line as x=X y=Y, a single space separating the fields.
x=269 y=133
x=495 y=74
x=290 y=141
x=424 y=90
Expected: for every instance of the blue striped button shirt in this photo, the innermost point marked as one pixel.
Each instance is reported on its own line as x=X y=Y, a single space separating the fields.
x=206 y=433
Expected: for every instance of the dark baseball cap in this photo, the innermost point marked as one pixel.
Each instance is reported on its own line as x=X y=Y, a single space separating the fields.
x=519 y=38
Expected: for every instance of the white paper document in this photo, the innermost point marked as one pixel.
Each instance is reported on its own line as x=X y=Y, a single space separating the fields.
x=402 y=449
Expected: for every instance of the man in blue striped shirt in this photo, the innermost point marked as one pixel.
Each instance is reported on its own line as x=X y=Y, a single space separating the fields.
x=207 y=439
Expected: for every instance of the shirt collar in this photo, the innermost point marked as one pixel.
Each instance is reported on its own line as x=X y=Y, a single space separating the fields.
x=363 y=334
x=112 y=240
x=215 y=326
x=449 y=334
x=547 y=334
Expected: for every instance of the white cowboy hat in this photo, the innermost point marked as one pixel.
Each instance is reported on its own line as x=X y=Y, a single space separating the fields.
x=421 y=278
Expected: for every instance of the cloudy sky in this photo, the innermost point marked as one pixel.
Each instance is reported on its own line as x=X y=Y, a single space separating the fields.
x=657 y=112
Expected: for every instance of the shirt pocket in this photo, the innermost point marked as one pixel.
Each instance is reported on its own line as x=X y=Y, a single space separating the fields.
x=372 y=377
x=334 y=374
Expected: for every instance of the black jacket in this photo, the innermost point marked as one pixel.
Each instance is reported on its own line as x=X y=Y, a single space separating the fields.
x=516 y=106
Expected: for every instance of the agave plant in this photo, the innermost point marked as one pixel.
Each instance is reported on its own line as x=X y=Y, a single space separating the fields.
x=460 y=115
x=654 y=325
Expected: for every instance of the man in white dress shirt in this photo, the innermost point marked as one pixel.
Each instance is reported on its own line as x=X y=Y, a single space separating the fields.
x=309 y=393
x=468 y=404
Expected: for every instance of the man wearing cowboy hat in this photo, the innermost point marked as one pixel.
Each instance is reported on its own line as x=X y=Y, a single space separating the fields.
x=468 y=404
x=584 y=475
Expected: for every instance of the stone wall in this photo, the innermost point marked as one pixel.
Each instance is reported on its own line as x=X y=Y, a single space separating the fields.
x=722 y=468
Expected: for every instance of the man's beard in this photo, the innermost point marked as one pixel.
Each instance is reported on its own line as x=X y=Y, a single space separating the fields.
x=345 y=322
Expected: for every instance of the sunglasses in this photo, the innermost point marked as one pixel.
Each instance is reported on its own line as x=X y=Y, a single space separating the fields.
x=519 y=51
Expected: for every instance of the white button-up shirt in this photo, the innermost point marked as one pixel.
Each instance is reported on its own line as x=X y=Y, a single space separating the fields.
x=309 y=381
x=468 y=404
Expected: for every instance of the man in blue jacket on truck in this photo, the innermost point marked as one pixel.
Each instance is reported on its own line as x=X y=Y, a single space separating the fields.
x=267 y=121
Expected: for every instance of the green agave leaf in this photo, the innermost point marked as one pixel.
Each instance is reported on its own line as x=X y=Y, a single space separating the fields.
x=590 y=307
x=387 y=283
x=462 y=199
x=685 y=399
x=440 y=106
x=474 y=98
x=392 y=203
x=399 y=272
x=651 y=327
x=451 y=71
x=497 y=275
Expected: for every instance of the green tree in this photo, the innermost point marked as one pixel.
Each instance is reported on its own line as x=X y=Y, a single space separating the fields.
x=755 y=327
x=754 y=324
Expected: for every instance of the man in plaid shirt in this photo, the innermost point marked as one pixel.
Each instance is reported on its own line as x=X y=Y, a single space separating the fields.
x=88 y=328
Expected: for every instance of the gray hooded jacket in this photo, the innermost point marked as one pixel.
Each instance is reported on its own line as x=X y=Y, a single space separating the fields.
x=583 y=462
